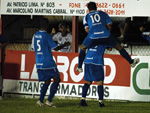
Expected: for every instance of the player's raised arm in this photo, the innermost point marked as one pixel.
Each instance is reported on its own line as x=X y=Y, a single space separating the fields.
x=61 y=46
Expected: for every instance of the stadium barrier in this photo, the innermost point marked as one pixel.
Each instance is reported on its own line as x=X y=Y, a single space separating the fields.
x=121 y=81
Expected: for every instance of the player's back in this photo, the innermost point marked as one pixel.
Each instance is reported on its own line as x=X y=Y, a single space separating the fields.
x=97 y=22
x=95 y=55
x=43 y=44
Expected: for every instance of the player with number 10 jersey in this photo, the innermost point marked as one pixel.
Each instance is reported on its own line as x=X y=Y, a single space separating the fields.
x=98 y=25
x=97 y=22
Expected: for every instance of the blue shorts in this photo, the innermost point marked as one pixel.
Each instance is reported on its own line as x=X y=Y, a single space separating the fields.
x=47 y=74
x=94 y=72
x=110 y=42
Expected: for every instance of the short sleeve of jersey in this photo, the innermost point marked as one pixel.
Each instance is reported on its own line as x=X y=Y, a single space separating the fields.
x=51 y=42
x=32 y=44
x=85 y=22
x=108 y=19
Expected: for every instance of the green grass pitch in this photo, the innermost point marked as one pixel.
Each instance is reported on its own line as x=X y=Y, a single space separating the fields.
x=28 y=105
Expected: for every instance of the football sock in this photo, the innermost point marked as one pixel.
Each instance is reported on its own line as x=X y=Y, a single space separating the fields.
x=124 y=54
x=81 y=58
x=85 y=89
x=43 y=92
x=100 y=91
x=53 y=90
x=83 y=98
x=100 y=101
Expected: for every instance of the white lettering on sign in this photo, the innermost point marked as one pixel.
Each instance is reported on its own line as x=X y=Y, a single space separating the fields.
x=23 y=75
x=64 y=68
x=79 y=77
x=111 y=77
x=34 y=73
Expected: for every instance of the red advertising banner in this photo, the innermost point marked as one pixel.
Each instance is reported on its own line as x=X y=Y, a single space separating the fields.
x=20 y=65
x=20 y=76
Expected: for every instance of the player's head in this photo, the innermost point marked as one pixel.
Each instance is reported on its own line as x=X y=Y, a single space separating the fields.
x=62 y=24
x=92 y=6
x=63 y=28
x=44 y=23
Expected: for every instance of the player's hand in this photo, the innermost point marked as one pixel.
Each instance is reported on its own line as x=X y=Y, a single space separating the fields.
x=142 y=28
x=80 y=70
x=67 y=43
x=110 y=49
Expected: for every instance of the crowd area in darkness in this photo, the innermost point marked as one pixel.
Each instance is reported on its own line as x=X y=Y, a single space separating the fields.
x=125 y=30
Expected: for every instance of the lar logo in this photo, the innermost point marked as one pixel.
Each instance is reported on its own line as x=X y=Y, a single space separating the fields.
x=141 y=67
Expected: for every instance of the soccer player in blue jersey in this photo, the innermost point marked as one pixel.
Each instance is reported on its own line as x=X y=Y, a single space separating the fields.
x=42 y=43
x=94 y=71
x=98 y=25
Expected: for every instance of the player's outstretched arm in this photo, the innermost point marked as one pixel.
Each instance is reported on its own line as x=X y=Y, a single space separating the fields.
x=58 y=48
x=62 y=46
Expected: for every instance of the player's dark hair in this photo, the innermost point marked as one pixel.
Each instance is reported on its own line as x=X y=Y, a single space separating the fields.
x=44 y=22
x=63 y=23
x=92 y=6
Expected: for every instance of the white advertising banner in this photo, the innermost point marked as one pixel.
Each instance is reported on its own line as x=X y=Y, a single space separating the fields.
x=74 y=8
x=121 y=81
x=140 y=80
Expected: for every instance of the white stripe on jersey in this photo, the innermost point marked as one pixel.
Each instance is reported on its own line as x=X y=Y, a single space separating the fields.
x=39 y=63
x=92 y=63
x=32 y=45
x=146 y=33
x=39 y=53
x=99 y=32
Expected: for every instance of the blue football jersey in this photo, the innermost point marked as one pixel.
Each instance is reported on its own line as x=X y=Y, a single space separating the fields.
x=95 y=55
x=43 y=44
x=97 y=22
